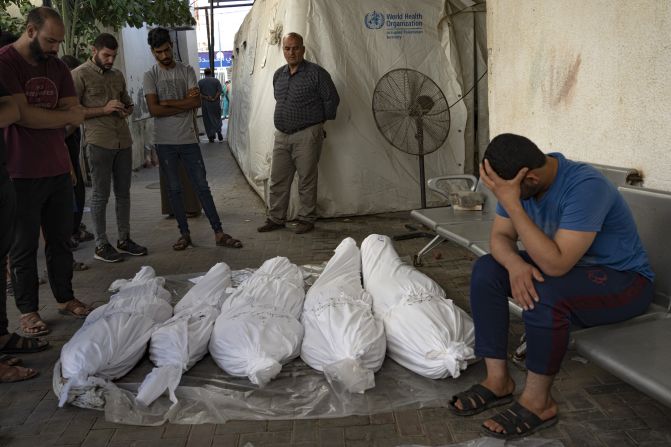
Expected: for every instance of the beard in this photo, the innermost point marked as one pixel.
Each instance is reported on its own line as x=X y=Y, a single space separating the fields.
x=103 y=67
x=37 y=52
x=167 y=61
x=528 y=191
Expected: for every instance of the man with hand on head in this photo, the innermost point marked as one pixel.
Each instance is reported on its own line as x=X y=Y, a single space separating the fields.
x=39 y=165
x=583 y=265
x=102 y=92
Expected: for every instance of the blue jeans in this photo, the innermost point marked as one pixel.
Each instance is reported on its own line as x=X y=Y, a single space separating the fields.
x=583 y=297
x=192 y=159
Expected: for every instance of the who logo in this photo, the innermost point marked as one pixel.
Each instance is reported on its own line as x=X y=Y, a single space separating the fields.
x=374 y=20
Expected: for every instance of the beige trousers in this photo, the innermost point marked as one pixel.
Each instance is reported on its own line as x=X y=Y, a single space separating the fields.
x=298 y=152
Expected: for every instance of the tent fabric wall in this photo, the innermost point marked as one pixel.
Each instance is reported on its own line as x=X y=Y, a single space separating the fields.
x=359 y=171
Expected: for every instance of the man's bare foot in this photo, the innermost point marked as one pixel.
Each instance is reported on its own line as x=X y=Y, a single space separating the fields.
x=74 y=308
x=10 y=374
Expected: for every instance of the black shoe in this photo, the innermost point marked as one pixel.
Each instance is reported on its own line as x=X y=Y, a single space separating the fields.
x=269 y=226
x=83 y=236
x=107 y=253
x=220 y=136
x=211 y=140
x=304 y=227
x=130 y=247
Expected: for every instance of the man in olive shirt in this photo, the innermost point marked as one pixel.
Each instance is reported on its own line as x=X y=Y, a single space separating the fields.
x=102 y=92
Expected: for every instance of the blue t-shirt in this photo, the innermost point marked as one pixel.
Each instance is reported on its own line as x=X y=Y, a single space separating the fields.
x=582 y=199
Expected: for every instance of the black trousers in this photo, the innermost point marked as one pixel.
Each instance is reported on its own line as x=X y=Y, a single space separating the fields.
x=80 y=190
x=46 y=203
x=7 y=215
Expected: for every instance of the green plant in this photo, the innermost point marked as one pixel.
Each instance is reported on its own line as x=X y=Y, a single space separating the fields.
x=84 y=19
x=12 y=23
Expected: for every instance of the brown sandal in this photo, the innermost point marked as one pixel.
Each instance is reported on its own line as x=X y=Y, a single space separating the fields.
x=182 y=243
x=10 y=360
x=9 y=374
x=32 y=325
x=73 y=308
x=226 y=240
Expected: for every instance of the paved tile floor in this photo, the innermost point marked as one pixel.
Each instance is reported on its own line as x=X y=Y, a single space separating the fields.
x=596 y=408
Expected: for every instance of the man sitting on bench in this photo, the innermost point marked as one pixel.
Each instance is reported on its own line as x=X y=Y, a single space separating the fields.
x=584 y=265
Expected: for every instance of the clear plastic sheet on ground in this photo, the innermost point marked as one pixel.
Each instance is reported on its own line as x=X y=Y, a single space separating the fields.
x=208 y=395
x=493 y=442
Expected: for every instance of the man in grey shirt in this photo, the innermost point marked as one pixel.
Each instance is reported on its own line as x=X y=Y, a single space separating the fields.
x=102 y=91
x=172 y=95
x=305 y=98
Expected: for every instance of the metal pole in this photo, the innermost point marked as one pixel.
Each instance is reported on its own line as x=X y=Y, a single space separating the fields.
x=476 y=148
x=209 y=38
x=422 y=176
x=211 y=46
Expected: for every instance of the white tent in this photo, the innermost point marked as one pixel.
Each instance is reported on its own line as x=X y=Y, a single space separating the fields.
x=357 y=41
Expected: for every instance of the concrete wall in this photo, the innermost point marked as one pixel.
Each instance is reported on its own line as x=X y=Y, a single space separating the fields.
x=587 y=78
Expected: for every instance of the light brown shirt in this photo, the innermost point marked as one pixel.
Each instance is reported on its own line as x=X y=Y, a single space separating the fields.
x=95 y=88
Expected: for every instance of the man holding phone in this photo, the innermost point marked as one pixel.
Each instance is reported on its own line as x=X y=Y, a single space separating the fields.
x=102 y=92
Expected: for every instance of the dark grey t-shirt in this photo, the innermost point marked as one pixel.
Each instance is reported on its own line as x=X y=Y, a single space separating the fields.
x=173 y=83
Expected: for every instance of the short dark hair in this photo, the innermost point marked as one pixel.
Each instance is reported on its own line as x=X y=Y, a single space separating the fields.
x=508 y=153
x=71 y=61
x=296 y=36
x=208 y=72
x=37 y=16
x=158 y=37
x=105 y=40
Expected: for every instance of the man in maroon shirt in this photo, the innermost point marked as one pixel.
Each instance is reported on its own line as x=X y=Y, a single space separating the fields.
x=39 y=165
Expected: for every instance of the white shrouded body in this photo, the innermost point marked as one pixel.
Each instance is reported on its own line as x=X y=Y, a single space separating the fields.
x=182 y=341
x=114 y=336
x=426 y=332
x=259 y=329
x=342 y=337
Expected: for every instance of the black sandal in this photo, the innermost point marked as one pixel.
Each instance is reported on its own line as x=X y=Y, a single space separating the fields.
x=477 y=399
x=23 y=345
x=79 y=266
x=518 y=422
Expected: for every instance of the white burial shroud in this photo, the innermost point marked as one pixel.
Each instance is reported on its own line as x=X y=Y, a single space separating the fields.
x=342 y=337
x=426 y=333
x=259 y=329
x=181 y=342
x=114 y=336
